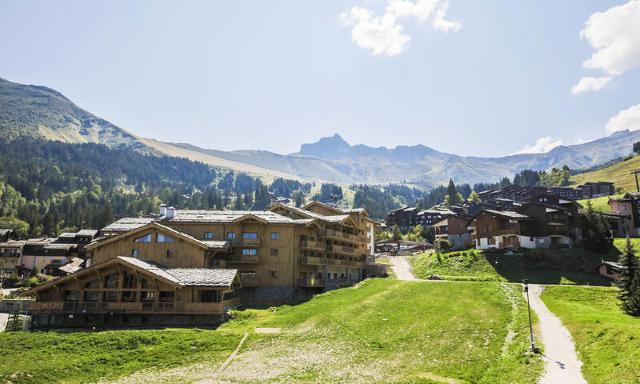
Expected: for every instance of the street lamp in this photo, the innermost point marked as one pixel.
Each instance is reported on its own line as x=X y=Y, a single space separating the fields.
x=526 y=290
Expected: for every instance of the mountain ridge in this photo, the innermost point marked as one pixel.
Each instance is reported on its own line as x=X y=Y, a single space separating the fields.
x=39 y=111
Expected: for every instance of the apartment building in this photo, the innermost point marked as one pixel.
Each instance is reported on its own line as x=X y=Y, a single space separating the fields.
x=268 y=257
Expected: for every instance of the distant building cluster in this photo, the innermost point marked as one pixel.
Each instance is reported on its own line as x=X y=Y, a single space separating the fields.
x=520 y=217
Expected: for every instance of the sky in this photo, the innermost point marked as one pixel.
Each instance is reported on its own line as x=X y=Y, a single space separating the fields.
x=482 y=78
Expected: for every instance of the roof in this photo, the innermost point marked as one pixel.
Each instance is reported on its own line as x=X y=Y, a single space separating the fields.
x=312 y=215
x=87 y=232
x=68 y=235
x=203 y=277
x=210 y=216
x=127 y=224
x=73 y=266
x=13 y=244
x=508 y=214
x=62 y=246
x=163 y=228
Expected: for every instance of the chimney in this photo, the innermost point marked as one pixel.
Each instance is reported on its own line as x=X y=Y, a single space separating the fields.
x=163 y=209
x=171 y=212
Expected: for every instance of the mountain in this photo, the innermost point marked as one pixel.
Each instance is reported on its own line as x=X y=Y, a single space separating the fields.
x=40 y=112
x=619 y=173
x=36 y=111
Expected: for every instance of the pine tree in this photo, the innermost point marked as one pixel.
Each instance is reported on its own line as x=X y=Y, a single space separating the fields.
x=395 y=233
x=451 y=191
x=629 y=282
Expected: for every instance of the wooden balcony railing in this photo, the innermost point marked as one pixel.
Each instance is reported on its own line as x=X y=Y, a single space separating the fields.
x=312 y=244
x=249 y=281
x=332 y=233
x=312 y=260
x=242 y=259
x=240 y=242
x=132 y=307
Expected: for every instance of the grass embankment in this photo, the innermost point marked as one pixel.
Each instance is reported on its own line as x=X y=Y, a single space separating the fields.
x=599 y=204
x=619 y=244
x=619 y=173
x=607 y=340
x=86 y=356
x=379 y=331
x=576 y=266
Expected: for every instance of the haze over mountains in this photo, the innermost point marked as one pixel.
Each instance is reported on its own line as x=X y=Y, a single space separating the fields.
x=37 y=111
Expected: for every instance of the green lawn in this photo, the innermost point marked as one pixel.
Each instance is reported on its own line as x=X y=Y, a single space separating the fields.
x=379 y=331
x=619 y=245
x=619 y=173
x=43 y=357
x=575 y=266
x=608 y=341
x=599 y=204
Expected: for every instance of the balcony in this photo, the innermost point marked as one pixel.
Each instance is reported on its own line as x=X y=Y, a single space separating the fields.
x=242 y=259
x=311 y=283
x=245 y=242
x=312 y=245
x=249 y=281
x=312 y=260
x=333 y=234
x=132 y=307
x=507 y=232
x=342 y=250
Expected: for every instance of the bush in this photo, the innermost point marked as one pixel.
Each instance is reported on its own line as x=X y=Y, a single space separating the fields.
x=443 y=245
x=10 y=281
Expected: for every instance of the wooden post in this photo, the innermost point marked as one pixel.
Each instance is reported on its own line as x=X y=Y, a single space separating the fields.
x=635 y=173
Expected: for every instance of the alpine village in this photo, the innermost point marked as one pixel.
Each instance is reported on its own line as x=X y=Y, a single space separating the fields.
x=319 y=192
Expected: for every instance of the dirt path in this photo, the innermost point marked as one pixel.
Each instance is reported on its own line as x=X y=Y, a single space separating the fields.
x=4 y=317
x=402 y=268
x=562 y=365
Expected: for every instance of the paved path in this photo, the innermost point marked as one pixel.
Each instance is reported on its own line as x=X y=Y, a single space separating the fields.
x=4 y=317
x=562 y=365
x=402 y=268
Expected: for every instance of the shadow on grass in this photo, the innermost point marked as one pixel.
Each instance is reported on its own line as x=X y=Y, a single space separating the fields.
x=576 y=266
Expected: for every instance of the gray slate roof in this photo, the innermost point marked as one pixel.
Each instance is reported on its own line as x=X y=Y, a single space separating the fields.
x=205 y=216
x=127 y=224
x=509 y=214
x=188 y=277
x=87 y=232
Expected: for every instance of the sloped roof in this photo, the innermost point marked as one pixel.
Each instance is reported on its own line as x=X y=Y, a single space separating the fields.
x=313 y=215
x=87 y=232
x=127 y=224
x=508 y=214
x=209 y=216
x=203 y=277
x=73 y=266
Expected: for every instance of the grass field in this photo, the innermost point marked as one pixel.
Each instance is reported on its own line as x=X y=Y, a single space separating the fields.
x=619 y=173
x=86 y=356
x=379 y=331
x=619 y=244
x=607 y=340
x=575 y=266
x=599 y=204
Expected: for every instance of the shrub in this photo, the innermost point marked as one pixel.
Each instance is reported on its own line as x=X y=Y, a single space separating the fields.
x=10 y=281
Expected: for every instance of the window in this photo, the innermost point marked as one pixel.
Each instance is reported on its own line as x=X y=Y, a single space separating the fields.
x=273 y=274
x=275 y=235
x=228 y=296
x=72 y=296
x=92 y=284
x=145 y=284
x=128 y=280
x=249 y=252
x=208 y=296
x=90 y=296
x=166 y=296
x=144 y=239
x=231 y=235
x=249 y=235
x=147 y=296
x=274 y=251
x=110 y=296
x=208 y=235
x=128 y=296
x=111 y=281
x=169 y=253
x=135 y=253
x=164 y=238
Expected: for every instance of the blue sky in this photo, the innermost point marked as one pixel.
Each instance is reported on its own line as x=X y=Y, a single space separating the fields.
x=485 y=78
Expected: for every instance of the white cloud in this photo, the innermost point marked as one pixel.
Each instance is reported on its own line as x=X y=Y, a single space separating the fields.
x=590 y=84
x=626 y=119
x=384 y=34
x=542 y=145
x=615 y=36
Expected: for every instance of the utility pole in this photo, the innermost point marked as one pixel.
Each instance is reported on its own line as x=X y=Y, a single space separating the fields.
x=533 y=344
x=635 y=173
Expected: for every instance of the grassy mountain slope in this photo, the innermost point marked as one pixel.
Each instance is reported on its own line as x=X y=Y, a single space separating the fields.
x=41 y=112
x=619 y=173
